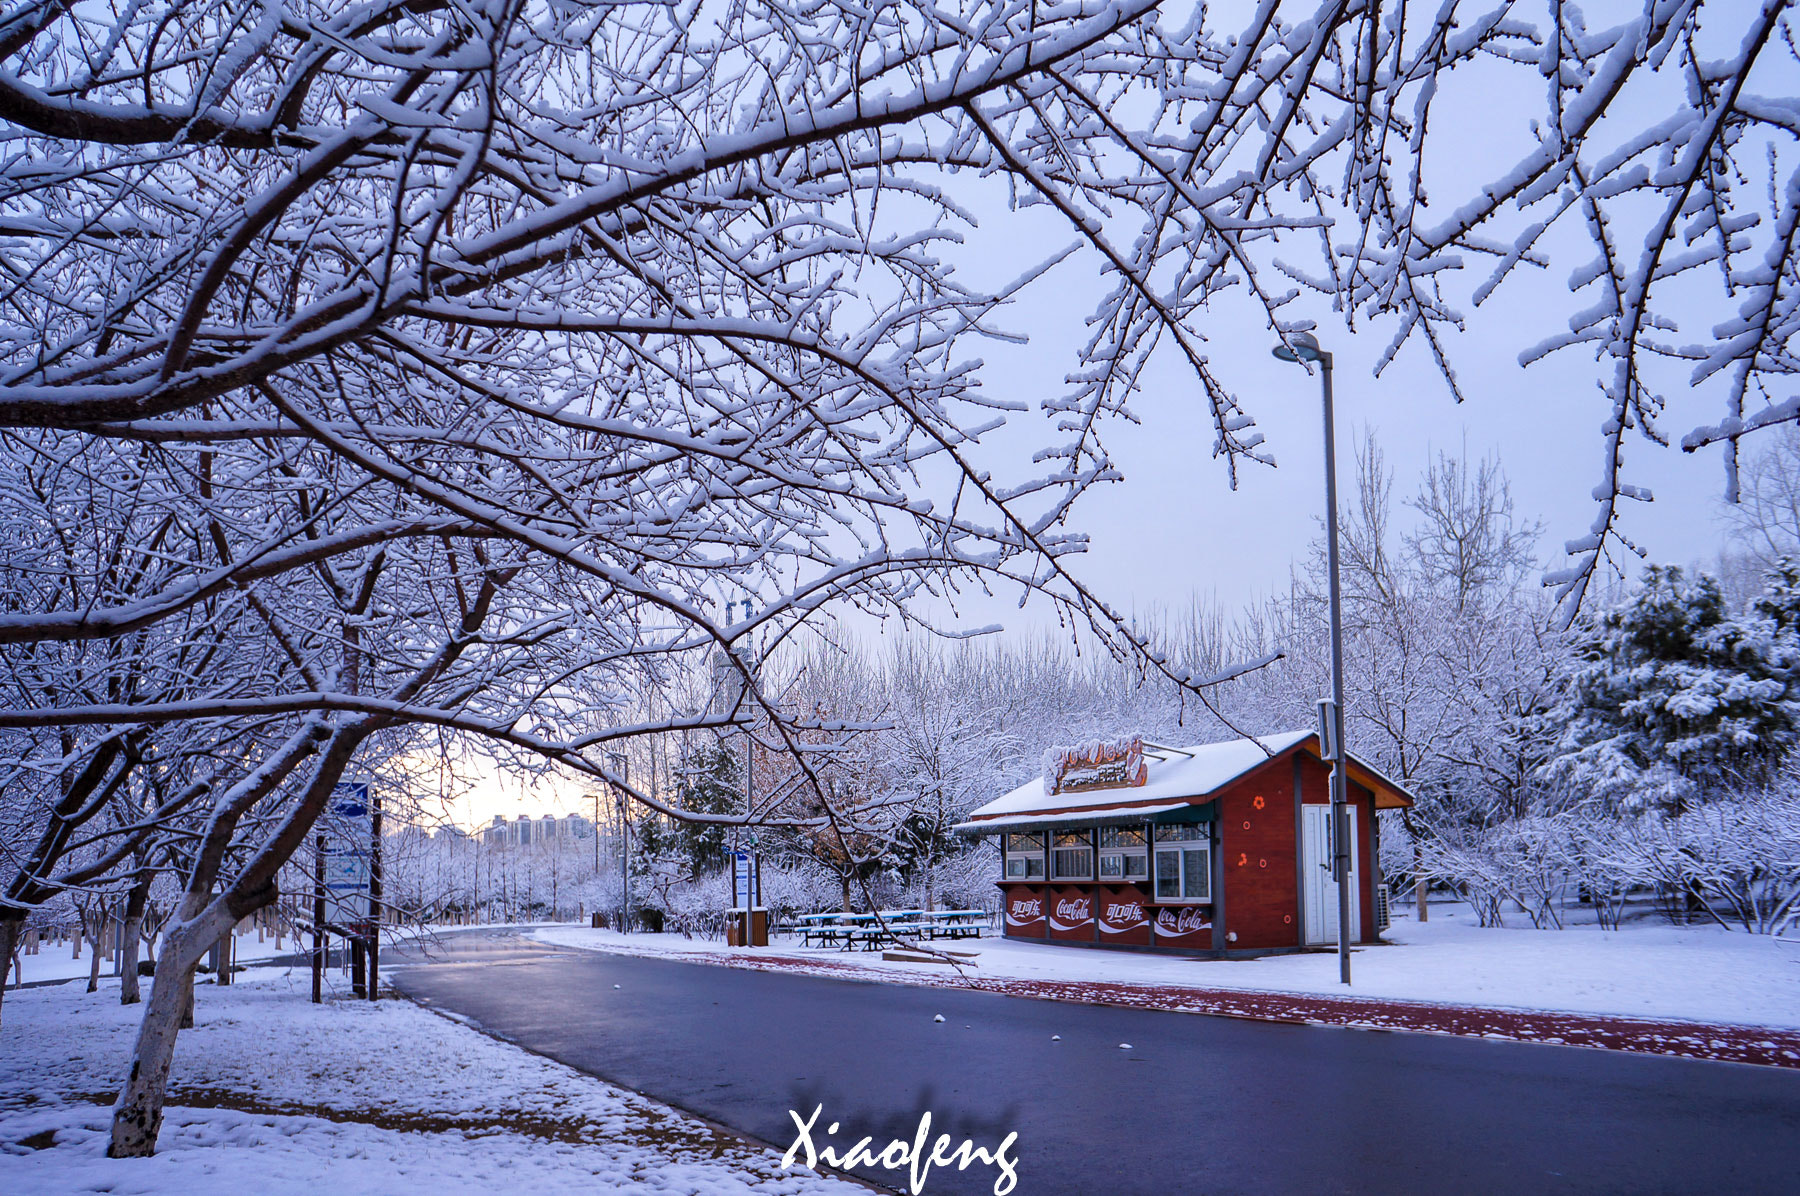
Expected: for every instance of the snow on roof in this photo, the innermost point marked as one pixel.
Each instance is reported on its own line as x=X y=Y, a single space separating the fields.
x=1174 y=773
x=988 y=826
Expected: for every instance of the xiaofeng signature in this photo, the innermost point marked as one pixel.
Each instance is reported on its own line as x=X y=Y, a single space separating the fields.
x=899 y=1154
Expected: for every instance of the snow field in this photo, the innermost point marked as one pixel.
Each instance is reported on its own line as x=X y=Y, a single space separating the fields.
x=271 y=1093
x=54 y=960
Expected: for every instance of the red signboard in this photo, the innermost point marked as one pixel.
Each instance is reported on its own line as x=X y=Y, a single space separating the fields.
x=1184 y=926
x=1025 y=913
x=1071 y=914
x=1124 y=921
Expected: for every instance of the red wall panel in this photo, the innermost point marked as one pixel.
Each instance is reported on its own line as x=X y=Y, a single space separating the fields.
x=1124 y=922
x=1071 y=913
x=1024 y=911
x=1185 y=926
x=1257 y=849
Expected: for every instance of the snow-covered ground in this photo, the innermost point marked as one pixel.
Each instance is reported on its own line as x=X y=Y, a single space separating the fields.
x=274 y=1094
x=55 y=961
x=1698 y=973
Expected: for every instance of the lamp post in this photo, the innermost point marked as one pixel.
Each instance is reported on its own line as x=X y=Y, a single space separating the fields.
x=622 y=765
x=1303 y=348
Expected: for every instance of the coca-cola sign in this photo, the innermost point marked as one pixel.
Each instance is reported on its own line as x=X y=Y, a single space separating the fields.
x=1072 y=913
x=1174 y=923
x=1120 y=916
x=1024 y=911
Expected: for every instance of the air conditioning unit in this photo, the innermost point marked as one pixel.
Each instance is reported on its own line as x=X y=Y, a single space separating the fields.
x=1381 y=907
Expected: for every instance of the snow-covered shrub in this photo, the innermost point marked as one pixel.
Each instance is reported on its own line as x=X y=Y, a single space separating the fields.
x=1741 y=859
x=961 y=881
x=697 y=908
x=1396 y=846
x=1607 y=861
x=1734 y=860
x=802 y=888
x=1535 y=853
x=1466 y=860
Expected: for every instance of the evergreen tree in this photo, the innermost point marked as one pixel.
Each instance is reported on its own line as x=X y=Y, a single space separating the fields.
x=712 y=782
x=1673 y=697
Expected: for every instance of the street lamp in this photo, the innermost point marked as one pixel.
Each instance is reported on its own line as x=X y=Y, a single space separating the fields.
x=621 y=764
x=1303 y=348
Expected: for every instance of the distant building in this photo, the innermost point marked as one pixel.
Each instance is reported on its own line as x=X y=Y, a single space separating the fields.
x=524 y=830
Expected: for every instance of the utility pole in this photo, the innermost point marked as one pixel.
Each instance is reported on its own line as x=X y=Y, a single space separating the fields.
x=374 y=889
x=622 y=764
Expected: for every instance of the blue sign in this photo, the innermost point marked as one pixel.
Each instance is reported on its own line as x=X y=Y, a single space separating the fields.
x=346 y=871
x=349 y=799
x=348 y=832
x=743 y=890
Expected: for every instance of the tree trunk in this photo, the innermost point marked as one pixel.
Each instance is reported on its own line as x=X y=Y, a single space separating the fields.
x=137 y=1114
x=930 y=882
x=128 y=950
x=9 y=941
x=1420 y=887
x=99 y=946
x=187 y=992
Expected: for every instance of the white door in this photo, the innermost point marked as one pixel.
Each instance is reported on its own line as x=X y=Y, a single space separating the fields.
x=1315 y=866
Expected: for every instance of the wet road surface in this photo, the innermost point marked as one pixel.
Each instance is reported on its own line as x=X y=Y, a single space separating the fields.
x=1194 y=1105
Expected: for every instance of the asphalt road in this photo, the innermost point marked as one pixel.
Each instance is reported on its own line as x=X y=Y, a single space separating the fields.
x=1194 y=1105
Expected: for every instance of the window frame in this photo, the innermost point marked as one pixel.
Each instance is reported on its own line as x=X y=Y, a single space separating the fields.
x=1026 y=857
x=1180 y=840
x=1123 y=850
x=1064 y=844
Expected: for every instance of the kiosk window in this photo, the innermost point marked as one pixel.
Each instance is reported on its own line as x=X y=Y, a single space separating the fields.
x=1123 y=853
x=1072 y=856
x=1183 y=864
x=1025 y=856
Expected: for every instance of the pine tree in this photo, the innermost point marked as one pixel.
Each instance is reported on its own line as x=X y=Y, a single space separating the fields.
x=712 y=782
x=1672 y=697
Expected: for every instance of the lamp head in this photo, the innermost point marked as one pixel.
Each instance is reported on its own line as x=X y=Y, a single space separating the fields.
x=1301 y=346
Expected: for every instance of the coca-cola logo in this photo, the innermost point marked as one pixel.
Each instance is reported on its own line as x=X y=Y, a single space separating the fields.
x=1128 y=913
x=1079 y=910
x=1187 y=921
x=1027 y=907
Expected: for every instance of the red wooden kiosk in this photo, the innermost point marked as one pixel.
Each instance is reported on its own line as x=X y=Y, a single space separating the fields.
x=1222 y=849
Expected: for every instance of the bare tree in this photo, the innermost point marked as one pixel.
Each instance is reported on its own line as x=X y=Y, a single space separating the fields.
x=1765 y=520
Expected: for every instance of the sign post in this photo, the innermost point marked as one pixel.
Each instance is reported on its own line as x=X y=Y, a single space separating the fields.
x=350 y=877
x=745 y=894
x=318 y=951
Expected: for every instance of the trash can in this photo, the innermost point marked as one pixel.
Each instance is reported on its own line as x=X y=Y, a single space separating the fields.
x=758 y=935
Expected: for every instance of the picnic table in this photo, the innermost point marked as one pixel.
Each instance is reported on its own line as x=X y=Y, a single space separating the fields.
x=873 y=931
x=958 y=923
x=823 y=927
x=850 y=930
